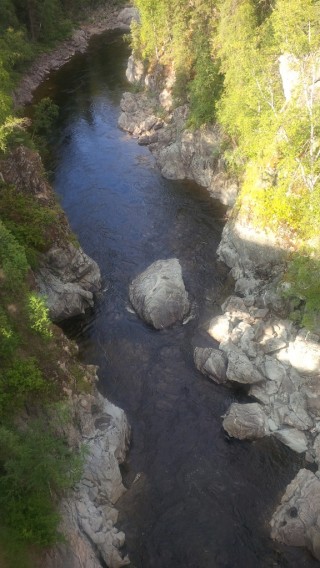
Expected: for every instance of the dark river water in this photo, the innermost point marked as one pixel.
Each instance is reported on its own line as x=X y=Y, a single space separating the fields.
x=202 y=500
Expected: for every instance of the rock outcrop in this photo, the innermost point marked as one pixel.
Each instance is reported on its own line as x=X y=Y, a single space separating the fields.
x=88 y=513
x=68 y=279
x=158 y=295
x=296 y=522
x=180 y=153
x=66 y=276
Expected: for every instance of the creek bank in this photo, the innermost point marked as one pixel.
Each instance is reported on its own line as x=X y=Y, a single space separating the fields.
x=260 y=348
x=65 y=275
x=180 y=153
x=88 y=513
x=108 y=18
x=69 y=279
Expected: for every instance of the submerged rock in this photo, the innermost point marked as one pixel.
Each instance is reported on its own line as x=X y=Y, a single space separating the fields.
x=296 y=522
x=68 y=279
x=246 y=421
x=158 y=295
x=211 y=362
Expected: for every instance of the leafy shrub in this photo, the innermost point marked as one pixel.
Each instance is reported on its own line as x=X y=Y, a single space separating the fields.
x=304 y=277
x=13 y=261
x=19 y=382
x=28 y=220
x=8 y=338
x=35 y=465
x=38 y=315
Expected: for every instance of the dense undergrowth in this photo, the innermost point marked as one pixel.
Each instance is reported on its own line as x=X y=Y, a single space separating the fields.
x=36 y=463
x=226 y=56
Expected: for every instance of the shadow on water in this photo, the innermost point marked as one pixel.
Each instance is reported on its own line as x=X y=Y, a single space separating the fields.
x=199 y=500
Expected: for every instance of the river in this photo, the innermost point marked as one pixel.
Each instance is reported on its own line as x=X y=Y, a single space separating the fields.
x=200 y=500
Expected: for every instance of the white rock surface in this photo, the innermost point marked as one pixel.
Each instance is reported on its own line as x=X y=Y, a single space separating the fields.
x=292 y=438
x=158 y=295
x=246 y=421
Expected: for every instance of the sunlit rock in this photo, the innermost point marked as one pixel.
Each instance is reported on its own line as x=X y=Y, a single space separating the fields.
x=158 y=295
x=304 y=355
x=289 y=72
x=135 y=70
x=246 y=421
x=219 y=328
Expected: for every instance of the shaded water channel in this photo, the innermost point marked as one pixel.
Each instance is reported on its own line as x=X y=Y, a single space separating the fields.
x=200 y=500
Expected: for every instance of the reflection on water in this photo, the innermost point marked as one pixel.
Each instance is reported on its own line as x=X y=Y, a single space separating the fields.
x=196 y=499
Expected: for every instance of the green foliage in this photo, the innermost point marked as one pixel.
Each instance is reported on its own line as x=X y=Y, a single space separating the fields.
x=13 y=261
x=205 y=88
x=19 y=383
x=30 y=221
x=9 y=340
x=36 y=464
x=39 y=315
x=304 y=277
x=45 y=113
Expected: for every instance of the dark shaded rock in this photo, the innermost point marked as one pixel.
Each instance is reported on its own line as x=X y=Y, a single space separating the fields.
x=211 y=362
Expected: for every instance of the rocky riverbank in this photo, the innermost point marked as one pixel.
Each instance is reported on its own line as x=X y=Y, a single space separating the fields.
x=69 y=280
x=104 y=19
x=255 y=343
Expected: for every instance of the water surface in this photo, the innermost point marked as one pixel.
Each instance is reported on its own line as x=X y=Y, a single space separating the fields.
x=200 y=500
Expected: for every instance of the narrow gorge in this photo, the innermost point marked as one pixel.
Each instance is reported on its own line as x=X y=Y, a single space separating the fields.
x=182 y=317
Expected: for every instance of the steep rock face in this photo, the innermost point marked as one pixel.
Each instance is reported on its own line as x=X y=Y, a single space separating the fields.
x=68 y=279
x=66 y=276
x=158 y=294
x=88 y=513
x=180 y=153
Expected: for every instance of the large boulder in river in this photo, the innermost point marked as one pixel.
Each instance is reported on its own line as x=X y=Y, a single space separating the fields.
x=68 y=278
x=296 y=522
x=158 y=295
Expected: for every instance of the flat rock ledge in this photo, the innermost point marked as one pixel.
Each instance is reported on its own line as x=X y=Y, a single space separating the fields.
x=88 y=513
x=158 y=295
x=68 y=279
